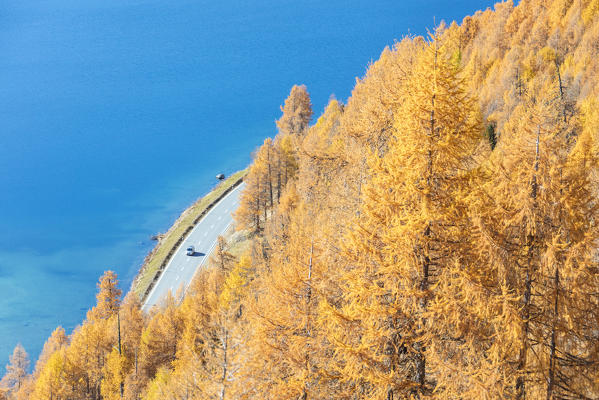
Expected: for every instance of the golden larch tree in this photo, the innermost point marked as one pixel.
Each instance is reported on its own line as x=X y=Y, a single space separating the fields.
x=160 y=337
x=538 y=234
x=16 y=369
x=51 y=383
x=297 y=112
x=286 y=348
x=108 y=298
x=407 y=238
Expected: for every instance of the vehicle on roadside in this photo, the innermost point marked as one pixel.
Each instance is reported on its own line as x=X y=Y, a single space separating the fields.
x=191 y=251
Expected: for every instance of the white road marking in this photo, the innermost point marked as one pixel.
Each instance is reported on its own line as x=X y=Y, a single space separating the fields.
x=182 y=268
x=212 y=226
x=177 y=278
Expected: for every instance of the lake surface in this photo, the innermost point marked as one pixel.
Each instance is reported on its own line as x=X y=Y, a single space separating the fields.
x=116 y=115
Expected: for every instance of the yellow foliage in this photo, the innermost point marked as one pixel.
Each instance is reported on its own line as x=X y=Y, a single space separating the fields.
x=297 y=112
x=114 y=373
x=557 y=11
x=547 y=54
x=590 y=115
x=50 y=384
x=160 y=337
x=380 y=332
x=590 y=11
x=235 y=282
x=158 y=388
x=529 y=68
x=108 y=297
x=327 y=120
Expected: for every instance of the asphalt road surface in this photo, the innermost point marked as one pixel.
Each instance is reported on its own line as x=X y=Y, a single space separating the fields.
x=181 y=268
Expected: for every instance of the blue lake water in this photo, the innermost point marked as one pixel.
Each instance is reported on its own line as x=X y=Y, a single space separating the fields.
x=115 y=115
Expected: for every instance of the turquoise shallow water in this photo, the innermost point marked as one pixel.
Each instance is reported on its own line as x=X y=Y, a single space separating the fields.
x=115 y=115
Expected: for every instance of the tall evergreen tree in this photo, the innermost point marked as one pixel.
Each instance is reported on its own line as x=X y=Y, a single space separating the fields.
x=286 y=347
x=538 y=234
x=297 y=112
x=16 y=370
x=407 y=237
x=108 y=296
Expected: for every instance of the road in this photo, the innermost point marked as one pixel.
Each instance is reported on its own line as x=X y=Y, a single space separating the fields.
x=181 y=268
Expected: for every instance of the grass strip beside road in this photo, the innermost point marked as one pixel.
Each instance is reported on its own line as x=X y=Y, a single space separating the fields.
x=157 y=259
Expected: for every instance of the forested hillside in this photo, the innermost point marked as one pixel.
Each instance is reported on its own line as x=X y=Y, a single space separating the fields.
x=434 y=237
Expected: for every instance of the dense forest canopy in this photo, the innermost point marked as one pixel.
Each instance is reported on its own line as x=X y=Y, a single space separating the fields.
x=434 y=237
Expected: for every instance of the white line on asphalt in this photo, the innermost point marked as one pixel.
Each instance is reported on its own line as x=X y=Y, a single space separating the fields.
x=182 y=268
x=177 y=278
